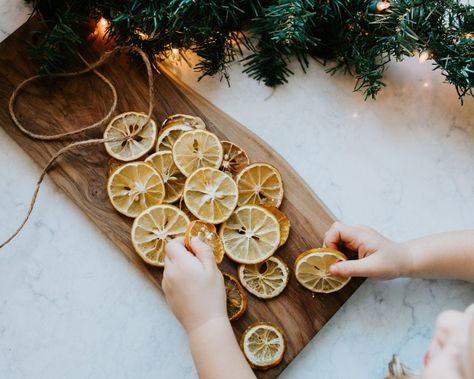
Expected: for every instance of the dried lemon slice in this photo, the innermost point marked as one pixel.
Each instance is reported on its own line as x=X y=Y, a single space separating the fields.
x=169 y=135
x=250 y=235
x=263 y=345
x=153 y=228
x=283 y=221
x=210 y=195
x=265 y=280
x=235 y=159
x=183 y=119
x=112 y=165
x=196 y=149
x=260 y=183
x=173 y=179
x=182 y=205
x=312 y=270
x=134 y=187
x=236 y=299
x=136 y=138
x=206 y=233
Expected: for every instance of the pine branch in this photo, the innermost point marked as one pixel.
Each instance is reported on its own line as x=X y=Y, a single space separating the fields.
x=282 y=31
x=358 y=35
x=442 y=29
x=55 y=46
x=267 y=64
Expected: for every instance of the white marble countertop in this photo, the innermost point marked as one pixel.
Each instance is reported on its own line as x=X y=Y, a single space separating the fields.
x=71 y=306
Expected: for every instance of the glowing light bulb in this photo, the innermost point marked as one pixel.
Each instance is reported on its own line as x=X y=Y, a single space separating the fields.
x=102 y=26
x=143 y=36
x=424 y=56
x=103 y=22
x=355 y=115
x=426 y=84
x=174 y=56
x=382 y=5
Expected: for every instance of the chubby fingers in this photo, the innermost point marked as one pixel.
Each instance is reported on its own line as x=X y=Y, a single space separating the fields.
x=367 y=267
x=203 y=252
x=176 y=255
x=175 y=249
x=177 y=252
x=348 y=235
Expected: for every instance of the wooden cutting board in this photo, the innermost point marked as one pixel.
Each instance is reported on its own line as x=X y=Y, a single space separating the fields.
x=53 y=107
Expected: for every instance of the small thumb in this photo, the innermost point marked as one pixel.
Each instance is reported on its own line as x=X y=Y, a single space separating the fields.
x=202 y=251
x=362 y=267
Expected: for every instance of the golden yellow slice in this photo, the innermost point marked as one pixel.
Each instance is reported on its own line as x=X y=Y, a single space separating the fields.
x=236 y=299
x=283 y=221
x=207 y=233
x=182 y=205
x=183 y=119
x=250 y=235
x=134 y=187
x=196 y=149
x=169 y=135
x=153 y=228
x=263 y=345
x=135 y=139
x=312 y=270
x=235 y=159
x=173 y=179
x=210 y=195
x=266 y=279
x=261 y=184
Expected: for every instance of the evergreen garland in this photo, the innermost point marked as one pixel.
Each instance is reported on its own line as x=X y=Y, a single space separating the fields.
x=360 y=36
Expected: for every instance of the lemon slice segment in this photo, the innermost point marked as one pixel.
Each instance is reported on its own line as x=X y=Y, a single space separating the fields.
x=265 y=280
x=235 y=159
x=112 y=165
x=261 y=184
x=207 y=233
x=173 y=179
x=312 y=270
x=169 y=135
x=183 y=119
x=263 y=345
x=210 y=195
x=153 y=228
x=283 y=221
x=236 y=299
x=136 y=138
x=134 y=187
x=250 y=235
x=196 y=149
x=182 y=205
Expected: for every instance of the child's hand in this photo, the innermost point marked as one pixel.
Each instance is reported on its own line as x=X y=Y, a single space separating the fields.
x=379 y=257
x=194 y=289
x=193 y=285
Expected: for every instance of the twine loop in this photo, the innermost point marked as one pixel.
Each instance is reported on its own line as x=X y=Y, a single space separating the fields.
x=90 y=67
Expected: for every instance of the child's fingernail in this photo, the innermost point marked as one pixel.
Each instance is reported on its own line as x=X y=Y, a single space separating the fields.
x=334 y=269
x=426 y=359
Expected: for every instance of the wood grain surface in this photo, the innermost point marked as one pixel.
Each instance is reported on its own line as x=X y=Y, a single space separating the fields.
x=67 y=104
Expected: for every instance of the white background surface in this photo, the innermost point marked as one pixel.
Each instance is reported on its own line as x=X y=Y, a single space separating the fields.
x=72 y=306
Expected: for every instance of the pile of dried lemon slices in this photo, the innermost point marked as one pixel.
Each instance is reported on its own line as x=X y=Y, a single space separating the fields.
x=182 y=180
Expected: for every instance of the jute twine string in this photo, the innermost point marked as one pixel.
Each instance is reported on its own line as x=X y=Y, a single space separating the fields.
x=90 y=68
